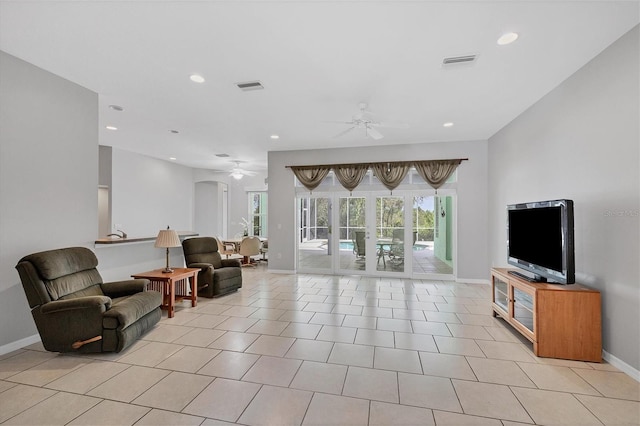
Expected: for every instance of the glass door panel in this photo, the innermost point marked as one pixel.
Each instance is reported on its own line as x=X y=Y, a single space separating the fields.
x=374 y=234
x=390 y=239
x=314 y=233
x=501 y=294
x=432 y=251
x=352 y=233
x=523 y=308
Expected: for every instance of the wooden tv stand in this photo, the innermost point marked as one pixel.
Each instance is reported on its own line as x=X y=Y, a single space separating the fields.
x=562 y=321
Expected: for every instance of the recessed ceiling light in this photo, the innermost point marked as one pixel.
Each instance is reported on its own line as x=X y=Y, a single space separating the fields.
x=111 y=128
x=196 y=78
x=507 y=38
x=275 y=137
x=448 y=124
x=172 y=158
x=116 y=107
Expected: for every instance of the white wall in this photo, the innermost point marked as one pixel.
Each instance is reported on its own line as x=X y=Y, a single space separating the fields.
x=581 y=141
x=208 y=201
x=473 y=260
x=48 y=176
x=238 y=202
x=104 y=192
x=150 y=194
x=49 y=188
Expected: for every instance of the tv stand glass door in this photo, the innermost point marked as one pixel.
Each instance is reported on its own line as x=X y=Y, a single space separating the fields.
x=523 y=308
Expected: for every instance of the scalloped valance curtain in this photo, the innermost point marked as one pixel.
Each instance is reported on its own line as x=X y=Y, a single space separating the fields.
x=390 y=174
x=350 y=175
x=436 y=172
x=310 y=176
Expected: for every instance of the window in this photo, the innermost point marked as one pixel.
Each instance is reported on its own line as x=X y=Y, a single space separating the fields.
x=314 y=218
x=258 y=213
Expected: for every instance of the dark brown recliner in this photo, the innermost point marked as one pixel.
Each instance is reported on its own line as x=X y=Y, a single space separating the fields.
x=217 y=276
x=75 y=311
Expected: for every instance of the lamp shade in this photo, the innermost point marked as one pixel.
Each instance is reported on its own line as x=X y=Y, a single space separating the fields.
x=167 y=238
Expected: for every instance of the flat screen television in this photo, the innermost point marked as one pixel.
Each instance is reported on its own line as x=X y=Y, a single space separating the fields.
x=540 y=240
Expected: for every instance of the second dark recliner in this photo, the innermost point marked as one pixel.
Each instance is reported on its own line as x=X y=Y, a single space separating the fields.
x=217 y=276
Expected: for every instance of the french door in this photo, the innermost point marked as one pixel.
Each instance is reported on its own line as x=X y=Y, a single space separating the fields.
x=411 y=234
x=315 y=234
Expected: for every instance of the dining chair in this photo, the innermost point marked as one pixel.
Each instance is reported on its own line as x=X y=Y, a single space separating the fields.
x=249 y=246
x=226 y=249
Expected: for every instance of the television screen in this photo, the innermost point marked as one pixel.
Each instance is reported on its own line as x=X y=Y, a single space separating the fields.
x=535 y=236
x=540 y=239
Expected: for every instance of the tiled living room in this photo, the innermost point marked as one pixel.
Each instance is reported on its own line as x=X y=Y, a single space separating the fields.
x=142 y=103
x=317 y=349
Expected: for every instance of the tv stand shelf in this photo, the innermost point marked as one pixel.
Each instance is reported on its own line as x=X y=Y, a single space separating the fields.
x=562 y=321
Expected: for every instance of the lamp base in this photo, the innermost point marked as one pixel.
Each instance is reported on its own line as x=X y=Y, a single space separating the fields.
x=167 y=270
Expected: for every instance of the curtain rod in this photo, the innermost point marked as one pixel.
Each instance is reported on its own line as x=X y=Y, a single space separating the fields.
x=376 y=162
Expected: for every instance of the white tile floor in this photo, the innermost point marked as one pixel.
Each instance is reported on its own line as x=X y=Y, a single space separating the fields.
x=320 y=350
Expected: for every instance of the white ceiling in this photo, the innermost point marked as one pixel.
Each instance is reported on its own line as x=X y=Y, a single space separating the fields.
x=317 y=61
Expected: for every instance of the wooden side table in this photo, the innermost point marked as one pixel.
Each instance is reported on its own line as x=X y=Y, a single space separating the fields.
x=180 y=284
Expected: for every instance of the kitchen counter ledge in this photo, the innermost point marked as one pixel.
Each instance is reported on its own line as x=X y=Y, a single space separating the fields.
x=114 y=241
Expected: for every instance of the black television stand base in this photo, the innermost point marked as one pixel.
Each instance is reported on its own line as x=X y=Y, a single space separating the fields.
x=536 y=279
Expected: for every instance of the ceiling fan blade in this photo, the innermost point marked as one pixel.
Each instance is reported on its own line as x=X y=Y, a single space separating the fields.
x=237 y=172
x=374 y=133
x=339 y=122
x=391 y=124
x=344 y=132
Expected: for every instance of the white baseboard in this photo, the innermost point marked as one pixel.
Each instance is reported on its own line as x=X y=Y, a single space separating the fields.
x=19 y=344
x=621 y=365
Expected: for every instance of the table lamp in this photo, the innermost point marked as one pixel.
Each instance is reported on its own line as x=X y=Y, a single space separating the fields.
x=167 y=238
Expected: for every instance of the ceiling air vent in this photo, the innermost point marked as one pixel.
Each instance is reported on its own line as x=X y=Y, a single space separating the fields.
x=250 y=85
x=453 y=60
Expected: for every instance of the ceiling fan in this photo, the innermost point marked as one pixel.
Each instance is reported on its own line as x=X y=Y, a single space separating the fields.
x=364 y=119
x=238 y=173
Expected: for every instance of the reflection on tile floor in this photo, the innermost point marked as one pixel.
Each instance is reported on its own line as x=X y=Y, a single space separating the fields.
x=318 y=349
x=424 y=261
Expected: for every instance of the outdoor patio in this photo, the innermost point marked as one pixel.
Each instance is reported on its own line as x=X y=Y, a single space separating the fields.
x=313 y=256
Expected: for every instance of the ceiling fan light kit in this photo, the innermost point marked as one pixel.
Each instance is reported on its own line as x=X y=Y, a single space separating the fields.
x=237 y=173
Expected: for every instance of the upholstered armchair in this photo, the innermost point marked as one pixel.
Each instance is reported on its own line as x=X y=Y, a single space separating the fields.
x=217 y=276
x=75 y=311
